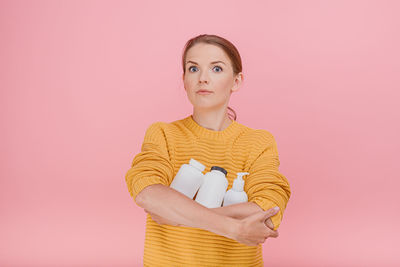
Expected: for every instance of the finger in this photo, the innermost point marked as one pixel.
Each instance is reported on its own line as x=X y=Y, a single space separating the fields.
x=270 y=212
x=269 y=223
x=273 y=234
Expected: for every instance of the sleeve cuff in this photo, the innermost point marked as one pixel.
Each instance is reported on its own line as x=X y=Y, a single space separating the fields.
x=143 y=183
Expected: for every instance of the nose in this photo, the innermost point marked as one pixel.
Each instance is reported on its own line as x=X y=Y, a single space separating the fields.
x=203 y=78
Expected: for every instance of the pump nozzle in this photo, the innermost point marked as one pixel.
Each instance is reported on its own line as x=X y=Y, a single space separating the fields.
x=238 y=183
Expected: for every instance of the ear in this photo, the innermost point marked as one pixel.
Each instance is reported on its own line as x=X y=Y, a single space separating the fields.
x=237 y=82
x=183 y=81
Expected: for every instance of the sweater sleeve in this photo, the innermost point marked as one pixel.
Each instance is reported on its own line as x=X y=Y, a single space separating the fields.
x=264 y=184
x=152 y=164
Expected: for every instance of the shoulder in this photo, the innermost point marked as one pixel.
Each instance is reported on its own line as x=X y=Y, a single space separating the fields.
x=161 y=130
x=164 y=127
x=256 y=136
x=257 y=142
x=262 y=134
x=155 y=132
x=155 y=126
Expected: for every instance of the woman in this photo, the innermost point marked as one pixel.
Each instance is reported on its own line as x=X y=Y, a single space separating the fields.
x=180 y=231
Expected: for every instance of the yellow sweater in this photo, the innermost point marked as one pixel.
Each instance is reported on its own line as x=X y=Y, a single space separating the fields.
x=237 y=148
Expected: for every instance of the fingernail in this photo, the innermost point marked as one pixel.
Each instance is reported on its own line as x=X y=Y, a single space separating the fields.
x=276 y=208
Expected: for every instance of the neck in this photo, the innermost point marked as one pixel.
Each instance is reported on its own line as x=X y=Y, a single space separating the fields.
x=216 y=120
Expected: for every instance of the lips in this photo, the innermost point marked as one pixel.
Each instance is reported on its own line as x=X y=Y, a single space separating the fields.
x=203 y=91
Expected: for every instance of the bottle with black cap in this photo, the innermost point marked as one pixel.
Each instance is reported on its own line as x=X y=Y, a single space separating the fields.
x=212 y=190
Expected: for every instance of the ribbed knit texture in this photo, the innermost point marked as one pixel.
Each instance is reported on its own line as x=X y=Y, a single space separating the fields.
x=237 y=148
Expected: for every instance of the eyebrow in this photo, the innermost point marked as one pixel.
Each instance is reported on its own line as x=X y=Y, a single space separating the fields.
x=211 y=62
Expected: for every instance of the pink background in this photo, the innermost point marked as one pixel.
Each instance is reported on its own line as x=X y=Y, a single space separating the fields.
x=82 y=80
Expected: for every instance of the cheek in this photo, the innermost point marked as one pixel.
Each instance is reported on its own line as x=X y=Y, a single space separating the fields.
x=189 y=83
x=224 y=85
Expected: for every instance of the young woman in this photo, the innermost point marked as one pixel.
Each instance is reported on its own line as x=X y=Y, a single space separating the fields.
x=180 y=231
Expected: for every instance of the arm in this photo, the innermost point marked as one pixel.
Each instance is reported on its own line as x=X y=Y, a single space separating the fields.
x=266 y=186
x=175 y=206
x=238 y=211
x=152 y=165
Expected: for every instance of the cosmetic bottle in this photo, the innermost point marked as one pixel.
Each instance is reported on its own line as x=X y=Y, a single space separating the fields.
x=236 y=194
x=212 y=191
x=189 y=178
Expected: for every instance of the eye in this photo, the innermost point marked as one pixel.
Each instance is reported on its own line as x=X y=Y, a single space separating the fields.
x=219 y=68
x=191 y=67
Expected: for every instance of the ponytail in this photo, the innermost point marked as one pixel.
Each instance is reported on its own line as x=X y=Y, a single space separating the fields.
x=234 y=114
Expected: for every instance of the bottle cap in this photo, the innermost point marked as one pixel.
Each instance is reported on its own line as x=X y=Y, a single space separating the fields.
x=219 y=169
x=197 y=165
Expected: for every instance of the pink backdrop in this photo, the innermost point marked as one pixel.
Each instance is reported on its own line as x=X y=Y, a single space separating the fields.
x=82 y=80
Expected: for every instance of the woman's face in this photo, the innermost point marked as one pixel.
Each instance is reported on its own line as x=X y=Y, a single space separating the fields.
x=207 y=67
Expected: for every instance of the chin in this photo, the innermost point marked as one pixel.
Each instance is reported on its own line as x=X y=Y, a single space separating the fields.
x=199 y=106
x=204 y=103
x=208 y=106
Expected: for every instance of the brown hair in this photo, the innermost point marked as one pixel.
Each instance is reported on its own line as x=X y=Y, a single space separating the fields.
x=221 y=42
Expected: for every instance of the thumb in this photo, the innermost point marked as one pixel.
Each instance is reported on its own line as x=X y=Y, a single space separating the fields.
x=269 y=213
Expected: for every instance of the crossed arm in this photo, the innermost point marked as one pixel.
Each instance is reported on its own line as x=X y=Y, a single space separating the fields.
x=164 y=213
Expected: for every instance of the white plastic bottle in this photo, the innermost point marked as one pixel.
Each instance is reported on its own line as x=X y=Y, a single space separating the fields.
x=212 y=191
x=236 y=194
x=189 y=178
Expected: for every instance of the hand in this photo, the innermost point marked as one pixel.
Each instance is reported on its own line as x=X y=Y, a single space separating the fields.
x=252 y=230
x=161 y=220
x=226 y=211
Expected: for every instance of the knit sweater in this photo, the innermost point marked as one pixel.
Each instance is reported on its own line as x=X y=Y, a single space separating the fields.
x=237 y=148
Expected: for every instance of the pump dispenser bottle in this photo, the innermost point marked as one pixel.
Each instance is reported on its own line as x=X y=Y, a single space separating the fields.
x=189 y=178
x=236 y=194
x=212 y=191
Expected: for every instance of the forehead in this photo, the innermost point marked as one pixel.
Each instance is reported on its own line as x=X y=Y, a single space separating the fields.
x=205 y=53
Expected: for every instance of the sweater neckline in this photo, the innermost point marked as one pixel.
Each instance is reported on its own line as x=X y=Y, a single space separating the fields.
x=201 y=131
